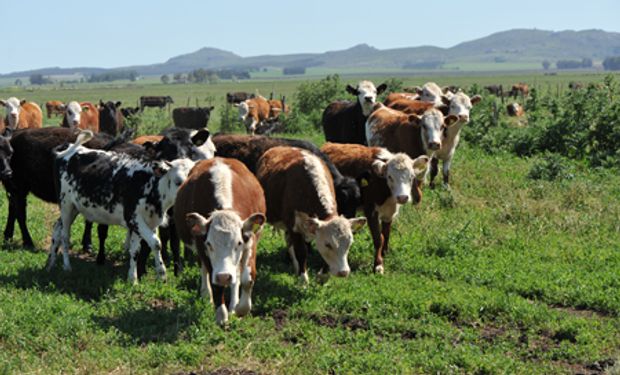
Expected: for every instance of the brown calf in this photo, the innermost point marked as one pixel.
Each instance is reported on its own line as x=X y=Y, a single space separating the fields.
x=220 y=210
x=301 y=200
x=21 y=114
x=386 y=181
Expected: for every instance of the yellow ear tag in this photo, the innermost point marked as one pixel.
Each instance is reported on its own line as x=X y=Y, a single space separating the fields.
x=364 y=182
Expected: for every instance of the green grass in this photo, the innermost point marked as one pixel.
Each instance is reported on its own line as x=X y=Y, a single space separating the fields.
x=499 y=274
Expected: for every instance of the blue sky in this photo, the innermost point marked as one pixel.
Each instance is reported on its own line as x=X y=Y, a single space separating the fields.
x=114 y=33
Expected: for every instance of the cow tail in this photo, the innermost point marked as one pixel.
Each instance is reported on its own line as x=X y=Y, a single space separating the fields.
x=83 y=137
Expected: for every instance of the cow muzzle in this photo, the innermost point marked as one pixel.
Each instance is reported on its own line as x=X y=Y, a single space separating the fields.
x=464 y=118
x=402 y=199
x=434 y=146
x=223 y=279
x=6 y=174
x=344 y=273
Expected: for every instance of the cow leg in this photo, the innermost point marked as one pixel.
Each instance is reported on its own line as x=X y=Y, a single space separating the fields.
x=221 y=312
x=234 y=294
x=151 y=239
x=56 y=234
x=446 y=172
x=205 y=271
x=9 y=228
x=87 y=242
x=247 y=284
x=291 y=253
x=386 y=228
x=434 y=171
x=375 y=232
x=143 y=256
x=175 y=248
x=301 y=255
x=134 y=247
x=20 y=213
x=68 y=213
x=164 y=236
x=102 y=233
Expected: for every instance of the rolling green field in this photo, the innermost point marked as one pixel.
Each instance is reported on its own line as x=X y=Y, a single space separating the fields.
x=500 y=273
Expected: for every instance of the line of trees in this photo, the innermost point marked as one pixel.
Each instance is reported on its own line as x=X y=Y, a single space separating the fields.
x=612 y=63
x=574 y=64
x=131 y=75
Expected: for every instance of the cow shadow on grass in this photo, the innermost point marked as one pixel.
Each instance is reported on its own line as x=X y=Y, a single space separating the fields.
x=86 y=281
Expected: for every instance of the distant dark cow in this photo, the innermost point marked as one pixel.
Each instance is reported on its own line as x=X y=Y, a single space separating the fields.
x=155 y=101
x=387 y=181
x=238 y=97
x=521 y=89
x=220 y=211
x=110 y=118
x=300 y=199
x=248 y=149
x=54 y=107
x=515 y=110
x=21 y=114
x=114 y=189
x=191 y=118
x=496 y=90
x=573 y=85
x=129 y=112
x=343 y=121
x=82 y=115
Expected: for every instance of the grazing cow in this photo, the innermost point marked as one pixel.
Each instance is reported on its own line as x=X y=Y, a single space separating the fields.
x=82 y=115
x=129 y=112
x=248 y=149
x=387 y=181
x=412 y=134
x=21 y=114
x=521 y=89
x=54 y=107
x=110 y=118
x=300 y=199
x=343 y=121
x=220 y=211
x=114 y=189
x=515 y=110
x=155 y=101
x=459 y=105
x=254 y=112
x=496 y=90
x=191 y=118
x=238 y=97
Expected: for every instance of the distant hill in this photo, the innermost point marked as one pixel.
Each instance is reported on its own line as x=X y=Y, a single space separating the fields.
x=519 y=45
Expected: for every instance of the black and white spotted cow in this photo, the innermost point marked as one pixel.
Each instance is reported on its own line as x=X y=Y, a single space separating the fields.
x=114 y=189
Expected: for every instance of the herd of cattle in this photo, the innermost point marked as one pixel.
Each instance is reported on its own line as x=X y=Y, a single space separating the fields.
x=215 y=193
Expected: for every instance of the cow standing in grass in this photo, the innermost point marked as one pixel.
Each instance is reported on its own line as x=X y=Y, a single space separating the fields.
x=83 y=116
x=21 y=114
x=219 y=212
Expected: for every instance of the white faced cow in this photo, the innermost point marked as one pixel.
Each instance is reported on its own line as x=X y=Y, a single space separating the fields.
x=21 y=114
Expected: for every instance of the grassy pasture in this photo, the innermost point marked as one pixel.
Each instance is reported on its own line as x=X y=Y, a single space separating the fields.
x=499 y=274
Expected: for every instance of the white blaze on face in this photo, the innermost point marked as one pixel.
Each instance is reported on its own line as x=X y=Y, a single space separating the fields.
x=431 y=126
x=73 y=111
x=397 y=169
x=460 y=105
x=221 y=178
x=315 y=169
x=367 y=96
x=13 y=107
x=431 y=92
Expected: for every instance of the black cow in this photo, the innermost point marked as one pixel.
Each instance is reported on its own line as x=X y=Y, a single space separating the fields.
x=344 y=121
x=129 y=112
x=248 y=149
x=110 y=118
x=191 y=118
x=155 y=101
x=496 y=90
x=238 y=97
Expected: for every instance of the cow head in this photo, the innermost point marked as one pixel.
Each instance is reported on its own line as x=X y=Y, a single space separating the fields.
x=169 y=100
x=430 y=92
x=227 y=239
x=171 y=175
x=6 y=153
x=432 y=125
x=192 y=144
x=333 y=238
x=366 y=93
x=108 y=114
x=348 y=196
x=73 y=113
x=244 y=110
x=460 y=104
x=13 y=108
x=397 y=169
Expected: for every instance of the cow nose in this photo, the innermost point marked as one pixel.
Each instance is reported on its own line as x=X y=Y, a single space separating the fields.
x=464 y=118
x=368 y=99
x=343 y=273
x=434 y=145
x=402 y=199
x=223 y=279
x=6 y=174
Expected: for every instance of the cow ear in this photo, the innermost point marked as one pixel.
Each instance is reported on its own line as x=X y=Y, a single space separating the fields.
x=475 y=99
x=200 y=137
x=357 y=223
x=2 y=102
x=379 y=168
x=118 y=104
x=381 y=88
x=445 y=99
x=211 y=108
x=414 y=119
x=306 y=224
x=22 y=102
x=420 y=164
x=198 y=224
x=418 y=90
x=352 y=90
x=450 y=120
x=101 y=103
x=253 y=224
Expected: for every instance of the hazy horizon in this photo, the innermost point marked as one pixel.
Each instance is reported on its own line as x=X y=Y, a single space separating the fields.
x=70 y=34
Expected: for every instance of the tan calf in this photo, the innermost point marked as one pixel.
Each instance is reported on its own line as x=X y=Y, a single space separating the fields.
x=21 y=114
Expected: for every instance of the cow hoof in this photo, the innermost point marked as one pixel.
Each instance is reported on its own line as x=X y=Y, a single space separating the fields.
x=379 y=269
x=303 y=279
x=221 y=315
x=242 y=309
x=88 y=249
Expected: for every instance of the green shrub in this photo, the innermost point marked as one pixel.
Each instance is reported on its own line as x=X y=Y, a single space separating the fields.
x=550 y=167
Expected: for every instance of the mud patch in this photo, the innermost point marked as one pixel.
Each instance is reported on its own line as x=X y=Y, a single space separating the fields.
x=279 y=317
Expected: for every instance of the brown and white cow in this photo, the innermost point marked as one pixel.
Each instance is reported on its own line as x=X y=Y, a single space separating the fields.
x=515 y=110
x=21 y=114
x=84 y=115
x=253 y=112
x=521 y=89
x=220 y=210
x=395 y=96
x=431 y=92
x=386 y=181
x=409 y=107
x=301 y=200
x=54 y=107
